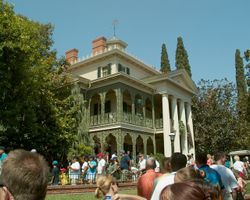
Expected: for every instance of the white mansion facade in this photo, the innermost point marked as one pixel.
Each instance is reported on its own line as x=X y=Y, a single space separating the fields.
x=131 y=105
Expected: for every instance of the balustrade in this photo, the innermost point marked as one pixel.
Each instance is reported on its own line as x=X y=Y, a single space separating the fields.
x=111 y=118
x=159 y=123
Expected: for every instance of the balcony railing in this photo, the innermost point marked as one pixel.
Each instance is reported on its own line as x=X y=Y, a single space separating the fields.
x=95 y=120
x=139 y=120
x=110 y=118
x=159 y=123
x=149 y=122
x=127 y=118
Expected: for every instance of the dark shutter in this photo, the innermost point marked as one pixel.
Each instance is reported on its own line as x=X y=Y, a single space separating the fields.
x=99 y=72
x=109 y=68
x=128 y=71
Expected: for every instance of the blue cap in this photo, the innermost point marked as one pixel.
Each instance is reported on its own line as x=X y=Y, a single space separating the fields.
x=55 y=162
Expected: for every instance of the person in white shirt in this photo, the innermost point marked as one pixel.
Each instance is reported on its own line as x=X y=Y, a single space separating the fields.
x=238 y=165
x=101 y=165
x=141 y=163
x=178 y=161
x=84 y=169
x=227 y=177
x=74 y=171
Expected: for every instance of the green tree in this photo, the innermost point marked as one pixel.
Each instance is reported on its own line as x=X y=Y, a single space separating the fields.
x=181 y=57
x=241 y=85
x=247 y=58
x=71 y=115
x=214 y=117
x=32 y=113
x=24 y=51
x=165 y=66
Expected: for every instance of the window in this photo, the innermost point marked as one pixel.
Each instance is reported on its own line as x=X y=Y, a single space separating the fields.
x=106 y=70
x=124 y=69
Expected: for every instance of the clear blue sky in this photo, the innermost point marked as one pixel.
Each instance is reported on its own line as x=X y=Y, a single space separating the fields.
x=211 y=30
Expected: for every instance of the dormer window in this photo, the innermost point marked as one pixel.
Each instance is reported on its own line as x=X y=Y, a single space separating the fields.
x=104 y=71
x=124 y=69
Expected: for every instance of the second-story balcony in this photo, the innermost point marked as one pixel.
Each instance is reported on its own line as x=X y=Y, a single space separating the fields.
x=112 y=118
x=139 y=120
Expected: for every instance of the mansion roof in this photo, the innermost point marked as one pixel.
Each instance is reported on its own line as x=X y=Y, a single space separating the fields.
x=143 y=76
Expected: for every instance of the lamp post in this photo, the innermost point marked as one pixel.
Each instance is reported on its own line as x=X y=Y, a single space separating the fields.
x=172 y=137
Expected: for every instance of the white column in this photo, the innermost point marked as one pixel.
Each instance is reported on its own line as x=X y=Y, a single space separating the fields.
x=166 y=126
x=175 y=124
x=190 y=124
x=184 y=141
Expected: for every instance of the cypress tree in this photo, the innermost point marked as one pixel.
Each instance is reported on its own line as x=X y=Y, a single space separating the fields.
x=247 y=58
x=241 y=84
x=165 y=66
x=181 y=57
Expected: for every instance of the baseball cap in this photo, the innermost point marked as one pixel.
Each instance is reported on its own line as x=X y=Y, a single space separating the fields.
x=55 y=162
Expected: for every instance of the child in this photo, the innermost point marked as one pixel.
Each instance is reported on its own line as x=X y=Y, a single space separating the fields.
x=64 y=178
x=55 y=173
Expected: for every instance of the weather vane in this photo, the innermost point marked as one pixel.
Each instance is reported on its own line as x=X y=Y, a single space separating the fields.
x=115 y=22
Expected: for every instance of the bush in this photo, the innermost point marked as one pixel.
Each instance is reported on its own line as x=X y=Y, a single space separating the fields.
x=79 y=151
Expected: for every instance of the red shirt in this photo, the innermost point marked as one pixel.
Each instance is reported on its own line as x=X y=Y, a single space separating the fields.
x=146 y=183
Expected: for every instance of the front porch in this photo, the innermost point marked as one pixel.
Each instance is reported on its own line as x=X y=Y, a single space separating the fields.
x=113 y=141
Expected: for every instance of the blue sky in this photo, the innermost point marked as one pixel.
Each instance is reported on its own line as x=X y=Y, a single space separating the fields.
x=211 y=30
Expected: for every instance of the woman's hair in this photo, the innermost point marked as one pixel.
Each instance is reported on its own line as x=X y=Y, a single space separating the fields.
x=195 y=190
x=188 y=174
x=236 y=158
x=103 y=184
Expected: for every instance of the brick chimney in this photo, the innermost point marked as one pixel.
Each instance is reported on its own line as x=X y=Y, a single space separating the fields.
x=99 y=44
x=71 y=55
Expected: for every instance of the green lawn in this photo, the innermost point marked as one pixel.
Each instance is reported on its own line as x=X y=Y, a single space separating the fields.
x=248 y=188
x=88 y=196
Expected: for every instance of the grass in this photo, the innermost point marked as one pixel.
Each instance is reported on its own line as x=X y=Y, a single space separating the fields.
x=248 y=188
x=89 y=195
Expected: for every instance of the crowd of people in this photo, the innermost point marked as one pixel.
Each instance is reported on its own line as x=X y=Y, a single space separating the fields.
x=181 y=177
x=24 y=175
x=87 y=169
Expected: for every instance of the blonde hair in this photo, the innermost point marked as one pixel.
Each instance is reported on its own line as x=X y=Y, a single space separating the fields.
x=103 y=184
x=236 y=158
x=188 y=174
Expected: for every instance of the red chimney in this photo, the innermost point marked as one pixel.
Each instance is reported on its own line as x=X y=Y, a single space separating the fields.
x=71 y=55
x=99 y=44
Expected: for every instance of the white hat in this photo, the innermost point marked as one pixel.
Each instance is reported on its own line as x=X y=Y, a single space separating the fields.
x=33 y=150
x=113 y=157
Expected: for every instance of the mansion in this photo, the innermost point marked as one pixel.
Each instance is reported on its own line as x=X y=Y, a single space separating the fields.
x=131 y=105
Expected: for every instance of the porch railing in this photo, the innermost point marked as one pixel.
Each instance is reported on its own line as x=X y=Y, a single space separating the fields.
x=111 y=118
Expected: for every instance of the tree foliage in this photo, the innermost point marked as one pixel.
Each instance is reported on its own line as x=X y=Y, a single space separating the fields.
x=181 y=57
x=165 y=65
x=214 y=117
x=33 y=114
x=247 y=58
